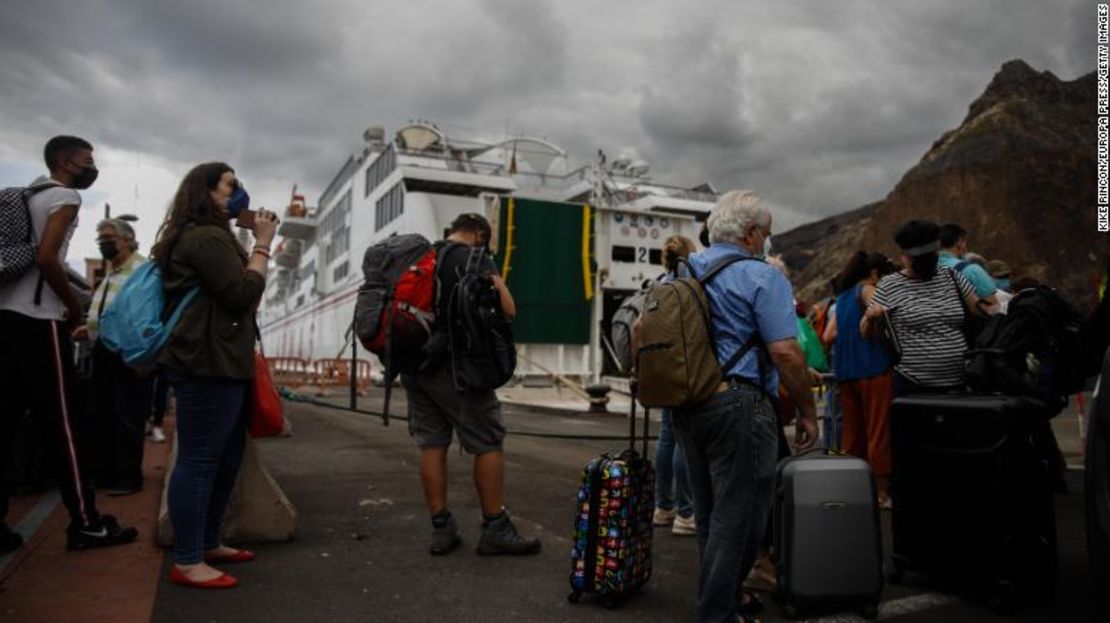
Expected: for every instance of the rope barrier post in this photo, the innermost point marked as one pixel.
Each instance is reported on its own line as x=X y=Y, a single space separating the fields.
x=353 y=372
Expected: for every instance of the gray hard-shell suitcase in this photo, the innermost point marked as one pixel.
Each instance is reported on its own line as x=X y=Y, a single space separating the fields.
x=828 y=544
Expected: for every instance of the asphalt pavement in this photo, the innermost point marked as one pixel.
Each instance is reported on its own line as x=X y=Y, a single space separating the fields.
x=361 y=551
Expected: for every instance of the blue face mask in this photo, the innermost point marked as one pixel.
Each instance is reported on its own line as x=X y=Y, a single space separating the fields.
x=238 y=201
x=1002 y=284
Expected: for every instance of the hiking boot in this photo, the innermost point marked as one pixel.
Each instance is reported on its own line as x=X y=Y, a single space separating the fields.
x=663 y=516
x=106 y=533
x=684 y=526
x=9 y=539
x=445 y=539
x=499 y=537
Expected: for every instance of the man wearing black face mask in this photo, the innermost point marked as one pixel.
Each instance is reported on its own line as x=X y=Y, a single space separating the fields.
x=121 y=396
x=37 y=312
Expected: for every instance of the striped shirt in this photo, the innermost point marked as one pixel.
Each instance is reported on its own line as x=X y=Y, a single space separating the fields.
x=928 y=318
x=108 y=288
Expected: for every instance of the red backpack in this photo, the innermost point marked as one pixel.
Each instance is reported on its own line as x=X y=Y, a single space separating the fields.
x=396 y=307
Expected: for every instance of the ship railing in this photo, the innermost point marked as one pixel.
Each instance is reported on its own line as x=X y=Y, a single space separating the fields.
x=332 y=373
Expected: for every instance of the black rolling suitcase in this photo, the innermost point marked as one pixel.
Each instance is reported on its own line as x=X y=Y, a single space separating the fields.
x=613 y=527
x=828 y=544
x=973 y=501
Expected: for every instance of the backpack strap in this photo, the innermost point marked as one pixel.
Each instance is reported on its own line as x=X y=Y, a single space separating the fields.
x=27 y=193
x=960 y=266
x=184 y=303
x=718 y=266
x=963 y=306
x=754 y=340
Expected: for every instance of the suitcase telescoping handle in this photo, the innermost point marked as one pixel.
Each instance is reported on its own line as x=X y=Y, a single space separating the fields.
x=632 y=424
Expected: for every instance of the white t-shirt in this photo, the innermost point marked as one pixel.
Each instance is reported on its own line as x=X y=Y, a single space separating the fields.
x=19 y=296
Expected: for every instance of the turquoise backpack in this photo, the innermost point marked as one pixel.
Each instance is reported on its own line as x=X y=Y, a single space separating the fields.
x=134 y=325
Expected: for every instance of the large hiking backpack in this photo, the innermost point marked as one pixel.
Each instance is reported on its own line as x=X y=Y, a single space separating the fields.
x=676 y=360
x=479 y=334
x=135 y=325
x=1033 y=350
x=17 y=246
x=395 y=310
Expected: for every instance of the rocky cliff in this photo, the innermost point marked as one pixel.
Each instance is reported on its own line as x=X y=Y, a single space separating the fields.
x=1018 y=174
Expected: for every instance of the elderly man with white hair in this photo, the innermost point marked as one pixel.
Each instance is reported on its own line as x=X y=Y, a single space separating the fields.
x=732 y=440
x=121 y=396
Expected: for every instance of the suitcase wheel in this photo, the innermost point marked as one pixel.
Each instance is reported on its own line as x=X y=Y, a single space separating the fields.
x=898 y=571
x=574 y=597
x=1001 y=598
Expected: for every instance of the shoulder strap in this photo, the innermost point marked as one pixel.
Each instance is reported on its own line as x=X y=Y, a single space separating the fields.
x=720 y=265
x=959 y=294
x=960 y=266
x=184 y=303
x=754 y=339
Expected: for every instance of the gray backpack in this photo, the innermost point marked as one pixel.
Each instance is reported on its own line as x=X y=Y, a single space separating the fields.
x=620 y=331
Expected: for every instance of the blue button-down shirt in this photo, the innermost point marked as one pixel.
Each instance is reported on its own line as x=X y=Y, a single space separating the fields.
x=745 y=297
x=979 y=278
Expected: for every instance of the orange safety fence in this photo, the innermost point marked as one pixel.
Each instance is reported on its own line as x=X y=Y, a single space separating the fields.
x=337 y=373
x=290 y=371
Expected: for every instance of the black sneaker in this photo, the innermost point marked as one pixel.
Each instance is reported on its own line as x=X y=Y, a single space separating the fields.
x=106 y=533
x=9 y=539
x=500 y=538
x=445 y=539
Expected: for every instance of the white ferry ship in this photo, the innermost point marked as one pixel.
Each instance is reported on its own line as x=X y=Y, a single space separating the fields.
x=571 y=244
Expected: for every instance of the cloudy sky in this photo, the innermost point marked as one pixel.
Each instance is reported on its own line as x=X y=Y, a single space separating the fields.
x=819 y=106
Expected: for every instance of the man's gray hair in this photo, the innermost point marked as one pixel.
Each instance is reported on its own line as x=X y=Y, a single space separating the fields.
x=122 y=227
x=736 y=211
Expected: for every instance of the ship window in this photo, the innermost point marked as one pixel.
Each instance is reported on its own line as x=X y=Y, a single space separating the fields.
x=624 y=254
x=300 y=300
x=340 y=243
x=389 y=207
x=340 y=272
x=336 y=217
x=655 y=256
x=380 y=169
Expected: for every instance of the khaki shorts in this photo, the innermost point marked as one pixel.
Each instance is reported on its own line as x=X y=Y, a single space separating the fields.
x=437 y=410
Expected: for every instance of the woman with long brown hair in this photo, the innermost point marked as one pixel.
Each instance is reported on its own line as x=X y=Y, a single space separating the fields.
x=209 y=360
x=862 y=368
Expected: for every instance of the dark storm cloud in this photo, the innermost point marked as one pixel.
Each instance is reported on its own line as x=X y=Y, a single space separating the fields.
x=818 y=106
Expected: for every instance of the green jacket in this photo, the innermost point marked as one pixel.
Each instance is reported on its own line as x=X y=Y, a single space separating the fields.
x=215 y=336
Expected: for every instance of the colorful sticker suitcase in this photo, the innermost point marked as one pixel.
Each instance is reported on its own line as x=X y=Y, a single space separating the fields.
x=611 y=556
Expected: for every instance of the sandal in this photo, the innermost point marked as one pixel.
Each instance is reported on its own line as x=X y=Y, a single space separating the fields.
x=750 y=604
x=762 y=578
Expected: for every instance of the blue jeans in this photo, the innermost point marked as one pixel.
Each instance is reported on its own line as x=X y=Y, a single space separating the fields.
x=211 y=433
x=731 y=445
x=832 y=425
x=672 y=488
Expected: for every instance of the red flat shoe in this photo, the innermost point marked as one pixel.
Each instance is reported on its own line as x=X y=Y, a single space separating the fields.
x=242 y=555
x=223 y=581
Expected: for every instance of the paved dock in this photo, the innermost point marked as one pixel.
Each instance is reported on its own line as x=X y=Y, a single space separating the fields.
x=360 y=554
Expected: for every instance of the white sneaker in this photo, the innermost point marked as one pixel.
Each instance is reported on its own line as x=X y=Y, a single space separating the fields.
x=663 y=517
x=684 y=526
x=157 y=435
